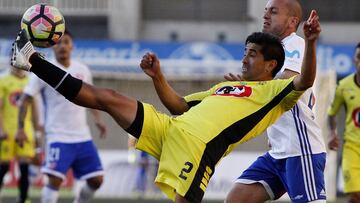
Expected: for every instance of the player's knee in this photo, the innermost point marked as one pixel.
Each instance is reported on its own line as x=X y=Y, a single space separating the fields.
x=54 y=182
x=235 y=196
x=247 y=193
x=95 y=182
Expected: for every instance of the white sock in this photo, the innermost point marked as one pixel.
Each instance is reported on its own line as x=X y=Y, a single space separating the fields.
x=49 y=195
x=85 y=194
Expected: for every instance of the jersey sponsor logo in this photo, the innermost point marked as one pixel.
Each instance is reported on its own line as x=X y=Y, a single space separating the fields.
x=356 y=117
x=14 y=97
x=292 y=54
x=236 y=91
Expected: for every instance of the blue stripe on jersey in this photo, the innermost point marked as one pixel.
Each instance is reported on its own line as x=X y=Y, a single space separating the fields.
x=306 y=159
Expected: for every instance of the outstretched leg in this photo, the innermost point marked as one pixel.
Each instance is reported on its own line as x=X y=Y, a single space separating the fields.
x=123 y=109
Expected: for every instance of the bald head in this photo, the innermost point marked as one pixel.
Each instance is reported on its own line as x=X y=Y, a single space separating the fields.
x=282 y=17
x=295 y=10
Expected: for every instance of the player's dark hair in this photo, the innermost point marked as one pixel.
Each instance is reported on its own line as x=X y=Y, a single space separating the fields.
x=271 y=48
x=357 y=46
x=67 y=32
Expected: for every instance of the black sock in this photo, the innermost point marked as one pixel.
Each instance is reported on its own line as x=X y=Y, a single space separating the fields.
x=4 y=167
x=66 y=85
x=23 y=182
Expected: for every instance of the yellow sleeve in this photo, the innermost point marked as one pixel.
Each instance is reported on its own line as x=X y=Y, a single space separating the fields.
x=292 y=96
x=337 y=102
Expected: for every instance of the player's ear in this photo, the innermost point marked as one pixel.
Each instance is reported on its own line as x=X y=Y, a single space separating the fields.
x=270 y=65
x=294 y=21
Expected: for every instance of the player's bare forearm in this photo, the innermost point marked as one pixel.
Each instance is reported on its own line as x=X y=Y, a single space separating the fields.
x=306 y=78
x=1 y=120
x=150 y=64
x=169 y=97
x=1 y=116
x=24 y=103
x=35 y=114
x=332 y=123
x=121 y=108
x=99 y=122
x=312 y=30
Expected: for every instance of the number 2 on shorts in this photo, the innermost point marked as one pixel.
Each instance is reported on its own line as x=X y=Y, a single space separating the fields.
x=188 y=167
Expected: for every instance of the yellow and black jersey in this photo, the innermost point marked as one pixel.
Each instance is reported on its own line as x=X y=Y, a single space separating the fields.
x=348 y=94
x=237 y=110
x=11 y=88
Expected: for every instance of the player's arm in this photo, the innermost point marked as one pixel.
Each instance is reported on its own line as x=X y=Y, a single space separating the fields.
x=334 y=140
x=35 y=119
x=312 y=30
x=2 y=133
x=287 y=73
x=39 y=131
x=175 y=103
x=24 y=103
x=99 y=122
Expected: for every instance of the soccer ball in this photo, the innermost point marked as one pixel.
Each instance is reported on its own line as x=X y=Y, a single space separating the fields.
x=44 y=24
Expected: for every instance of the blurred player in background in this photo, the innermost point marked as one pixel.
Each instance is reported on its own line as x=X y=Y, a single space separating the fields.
x=347 y=94
x=212 y=123
x=68 y=139
x=296 y=160
x=146 y=168
x=11 y=88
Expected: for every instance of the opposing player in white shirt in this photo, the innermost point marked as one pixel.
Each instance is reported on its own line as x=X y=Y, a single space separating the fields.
x=296 y=161
x=68 y=139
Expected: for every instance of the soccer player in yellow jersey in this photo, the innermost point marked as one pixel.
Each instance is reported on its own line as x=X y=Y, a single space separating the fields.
x=11 y=87
x=212 y=123
x=348 y=94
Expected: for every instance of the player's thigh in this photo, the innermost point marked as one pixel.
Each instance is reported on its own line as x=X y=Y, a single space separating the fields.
x=154 y=131
x=58 y=158
x=247 y=193
x=305 y=178
x=350 y=167
x=87 y=163
x=266 y=171
x=7 y=149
